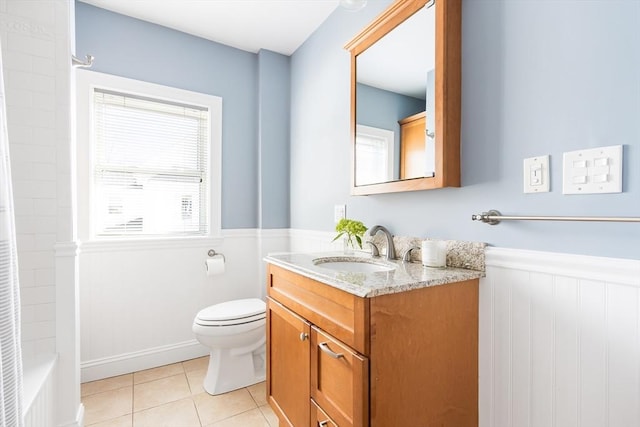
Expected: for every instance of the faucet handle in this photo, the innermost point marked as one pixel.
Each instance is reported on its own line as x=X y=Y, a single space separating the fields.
x=374 y=248
x=406 y=257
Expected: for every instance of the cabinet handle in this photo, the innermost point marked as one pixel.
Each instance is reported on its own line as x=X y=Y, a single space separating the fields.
x=324 y=347
x=303 y=336
x=324 y=423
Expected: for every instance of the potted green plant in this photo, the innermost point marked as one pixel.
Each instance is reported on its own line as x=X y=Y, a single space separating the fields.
x=352 y=231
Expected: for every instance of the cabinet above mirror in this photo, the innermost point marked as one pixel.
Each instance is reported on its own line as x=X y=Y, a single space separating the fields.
x=405 y=99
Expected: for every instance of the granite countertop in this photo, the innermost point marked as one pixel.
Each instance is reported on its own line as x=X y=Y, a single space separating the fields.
x=404 y=276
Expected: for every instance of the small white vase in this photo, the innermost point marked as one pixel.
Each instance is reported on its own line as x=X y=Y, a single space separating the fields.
x=347 y=246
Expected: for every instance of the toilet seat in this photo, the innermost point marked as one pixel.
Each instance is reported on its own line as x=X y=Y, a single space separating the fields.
x=230 y=313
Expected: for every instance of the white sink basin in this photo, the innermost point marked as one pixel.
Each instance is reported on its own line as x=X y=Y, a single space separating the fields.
x=353 y=264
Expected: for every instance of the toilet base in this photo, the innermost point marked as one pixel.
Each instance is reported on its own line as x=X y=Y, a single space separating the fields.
x=228 y=370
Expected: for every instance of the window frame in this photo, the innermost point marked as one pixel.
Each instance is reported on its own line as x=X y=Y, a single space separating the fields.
x=86 y=82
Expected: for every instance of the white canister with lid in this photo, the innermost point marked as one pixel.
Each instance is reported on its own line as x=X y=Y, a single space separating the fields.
x=434 y=253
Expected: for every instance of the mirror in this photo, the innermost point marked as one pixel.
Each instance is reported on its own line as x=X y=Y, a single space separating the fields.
x=405 y=90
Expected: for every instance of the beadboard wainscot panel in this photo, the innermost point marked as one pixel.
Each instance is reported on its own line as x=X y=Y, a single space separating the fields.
x=559 y=340
x=313 y=241
x=39 y=397
x=270 y=241
x=138 y=298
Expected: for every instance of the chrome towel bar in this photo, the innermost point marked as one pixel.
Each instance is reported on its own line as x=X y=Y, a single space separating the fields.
x=493 y=217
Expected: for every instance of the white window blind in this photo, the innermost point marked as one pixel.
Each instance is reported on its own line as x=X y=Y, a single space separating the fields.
x=150 y=166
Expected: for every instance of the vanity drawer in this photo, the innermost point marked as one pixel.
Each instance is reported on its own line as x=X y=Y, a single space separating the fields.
x=319 y=418
x=341 y=314
x=339 y=380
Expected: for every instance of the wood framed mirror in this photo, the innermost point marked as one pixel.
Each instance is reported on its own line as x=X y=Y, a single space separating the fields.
x=405 y=99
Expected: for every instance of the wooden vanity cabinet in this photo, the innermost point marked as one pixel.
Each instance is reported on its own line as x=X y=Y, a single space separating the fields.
x=401 y=359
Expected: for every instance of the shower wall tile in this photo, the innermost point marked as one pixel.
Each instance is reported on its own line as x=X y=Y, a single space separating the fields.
x=36 y=38
x=34 y=34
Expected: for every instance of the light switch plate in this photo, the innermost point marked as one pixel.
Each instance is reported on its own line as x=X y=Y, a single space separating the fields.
x=339 y=212
x=592 y=171
x=536 y=174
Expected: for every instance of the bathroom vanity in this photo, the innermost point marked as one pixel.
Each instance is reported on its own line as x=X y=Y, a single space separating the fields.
x=391 y=345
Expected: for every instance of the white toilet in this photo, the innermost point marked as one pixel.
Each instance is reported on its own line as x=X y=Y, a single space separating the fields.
x=236 y=334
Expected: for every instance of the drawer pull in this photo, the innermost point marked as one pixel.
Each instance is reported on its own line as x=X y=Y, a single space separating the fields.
x=324 y=423
x=303 y=336
x=324 y=347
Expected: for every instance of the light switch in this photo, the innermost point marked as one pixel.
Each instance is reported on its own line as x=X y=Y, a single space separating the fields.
x=601 y=161
x=339 y=212
x=600 y=178
x=536 y=174
x=595 y=170
x=580 y=164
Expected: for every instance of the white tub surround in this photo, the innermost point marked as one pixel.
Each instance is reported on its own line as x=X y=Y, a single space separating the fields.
x=38 y=41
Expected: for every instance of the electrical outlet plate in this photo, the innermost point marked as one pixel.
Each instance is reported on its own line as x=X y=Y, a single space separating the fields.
x=339 y=212
x=536 y=174
x=591 y=171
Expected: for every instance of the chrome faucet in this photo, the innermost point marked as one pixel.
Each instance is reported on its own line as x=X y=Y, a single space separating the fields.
x=391 y=252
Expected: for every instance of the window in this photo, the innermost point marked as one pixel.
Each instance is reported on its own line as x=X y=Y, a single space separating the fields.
x=150 y=160
x=374 y=154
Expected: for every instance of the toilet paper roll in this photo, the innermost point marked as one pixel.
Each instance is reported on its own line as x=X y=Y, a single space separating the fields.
x=215 y=266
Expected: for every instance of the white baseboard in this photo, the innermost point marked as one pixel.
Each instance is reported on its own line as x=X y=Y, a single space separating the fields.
x=79 y=421
x=131 y=362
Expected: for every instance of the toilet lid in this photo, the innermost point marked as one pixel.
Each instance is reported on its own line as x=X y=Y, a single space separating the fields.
x=240 y=309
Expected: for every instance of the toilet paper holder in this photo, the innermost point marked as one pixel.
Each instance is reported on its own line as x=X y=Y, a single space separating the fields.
x=212 y=253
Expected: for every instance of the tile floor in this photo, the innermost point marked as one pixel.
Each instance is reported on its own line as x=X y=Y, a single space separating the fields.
x=172 y=396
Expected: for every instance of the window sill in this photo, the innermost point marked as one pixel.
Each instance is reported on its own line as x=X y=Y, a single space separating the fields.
x=149 y=243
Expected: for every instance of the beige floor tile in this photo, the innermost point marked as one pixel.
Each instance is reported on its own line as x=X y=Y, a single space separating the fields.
x=106 y=384
x=196 y=379
x=216 y=408
x=107 y=405
x=271 y=416
x=123 y=421
x=259 y=393
x=175 y=414
x=252 y=418
x=159 y=392
x=157 y=373
x=196 y=364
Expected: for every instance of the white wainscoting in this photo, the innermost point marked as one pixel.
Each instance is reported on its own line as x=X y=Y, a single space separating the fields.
x=313 y=241
x=559 y=340
x=39 y=396
x=138 y=300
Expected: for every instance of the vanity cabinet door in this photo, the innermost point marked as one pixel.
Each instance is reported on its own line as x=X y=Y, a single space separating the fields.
x=288 y=365
x=339 y=380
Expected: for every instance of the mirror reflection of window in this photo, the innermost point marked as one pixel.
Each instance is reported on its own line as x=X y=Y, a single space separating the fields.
x=374 y=154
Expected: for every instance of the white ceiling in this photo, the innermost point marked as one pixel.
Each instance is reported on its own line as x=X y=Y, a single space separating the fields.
x=276 y=25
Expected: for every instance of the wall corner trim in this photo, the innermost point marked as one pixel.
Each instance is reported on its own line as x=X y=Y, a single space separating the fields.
x=66 y=249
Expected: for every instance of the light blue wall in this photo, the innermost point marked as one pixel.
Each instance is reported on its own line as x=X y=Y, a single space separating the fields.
x=135 y=49
x=539 y=77
x=273 y=114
